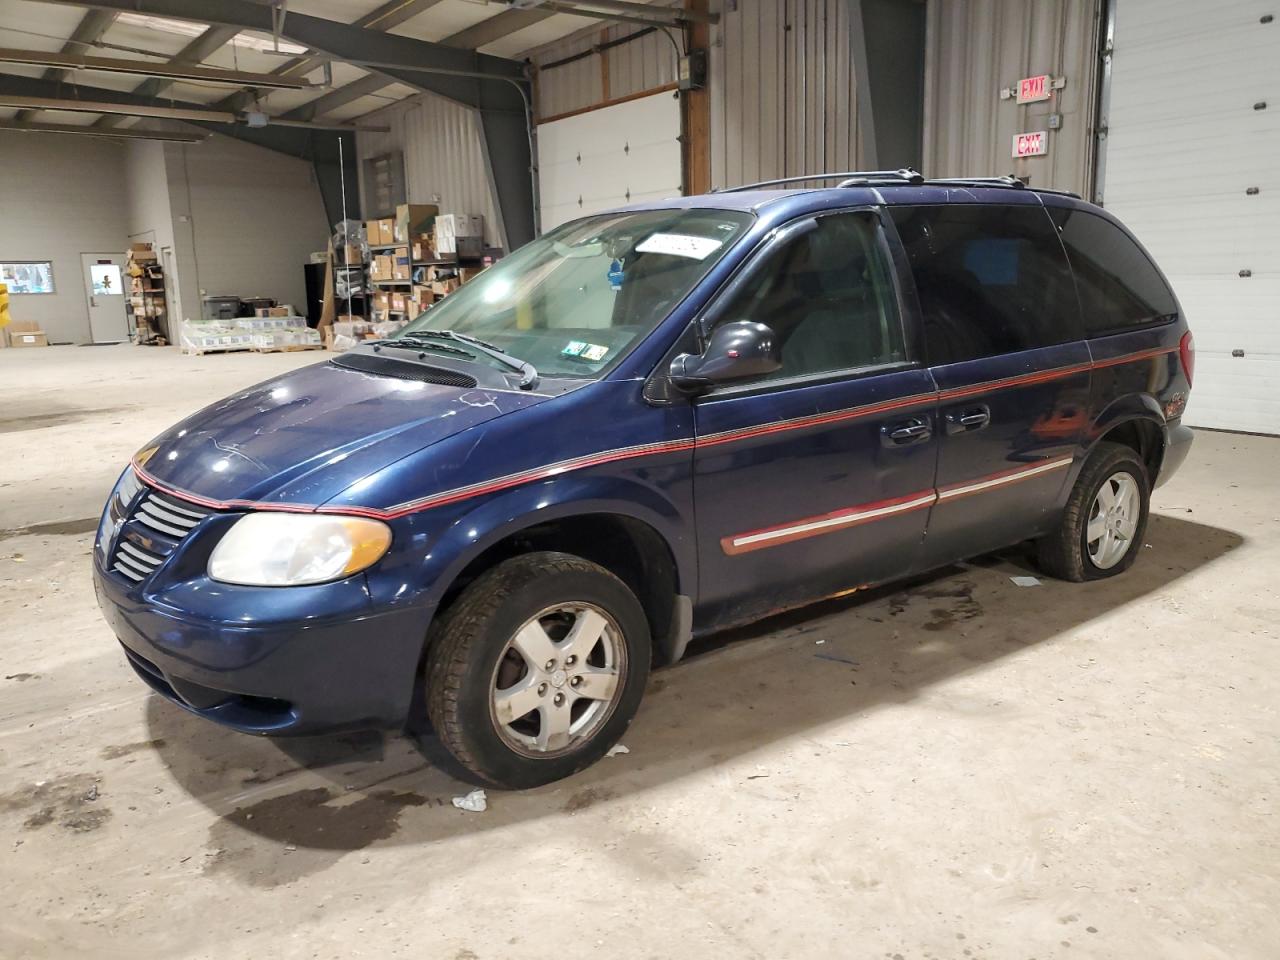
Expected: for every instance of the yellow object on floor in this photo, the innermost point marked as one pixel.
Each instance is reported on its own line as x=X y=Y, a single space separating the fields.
x=4 y=305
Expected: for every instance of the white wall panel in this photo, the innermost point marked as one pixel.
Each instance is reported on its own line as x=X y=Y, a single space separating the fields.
x=62 y=196
x=977 y=47
x=1184 y=145
x=443 y=157
x=782 y=93
x=641 y=64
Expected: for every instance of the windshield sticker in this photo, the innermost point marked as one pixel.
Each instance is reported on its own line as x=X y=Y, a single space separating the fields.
x=585 y=351
x=680 y=245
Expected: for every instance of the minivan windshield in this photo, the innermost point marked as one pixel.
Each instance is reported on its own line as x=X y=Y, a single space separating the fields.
x=574 y=300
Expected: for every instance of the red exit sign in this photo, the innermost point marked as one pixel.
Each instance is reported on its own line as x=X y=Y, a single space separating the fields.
x=1031 y=144
x=1034 y=89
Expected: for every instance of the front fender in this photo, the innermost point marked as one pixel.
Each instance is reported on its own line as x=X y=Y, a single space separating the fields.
x=424 y=576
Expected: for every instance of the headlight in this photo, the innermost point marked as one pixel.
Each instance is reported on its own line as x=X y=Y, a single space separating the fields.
x=289 y=549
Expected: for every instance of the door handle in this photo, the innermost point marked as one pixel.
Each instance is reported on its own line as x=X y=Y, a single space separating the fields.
x=968 y=419
x=910 y=431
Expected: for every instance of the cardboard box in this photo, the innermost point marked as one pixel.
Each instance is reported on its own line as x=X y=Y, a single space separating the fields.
x=467 y=274
x=381 y=300
x=401 y=266
x=28 y=338
x=372 y=231
x=397 y=302
x=450 y=228
x=412 y=218
x=423 y=248
x=284 y=310
x=387 y=230
x=381 y=267
x=442 y=288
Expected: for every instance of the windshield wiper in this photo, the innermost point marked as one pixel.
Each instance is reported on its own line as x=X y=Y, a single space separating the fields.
x=528 y=373
x=413 y=341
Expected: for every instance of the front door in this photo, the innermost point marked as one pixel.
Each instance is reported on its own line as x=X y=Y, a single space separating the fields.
x=105 y=280
x=817 y=478
x=1003 y=339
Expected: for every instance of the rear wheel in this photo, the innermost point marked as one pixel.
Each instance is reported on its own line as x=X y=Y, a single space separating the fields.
x=1105 y=518
x=537 y=669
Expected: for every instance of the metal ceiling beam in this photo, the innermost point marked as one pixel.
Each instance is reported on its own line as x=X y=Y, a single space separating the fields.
x=495 y=28
x=339 y=98
x=499 y=96
x=197 y=51
x=106 y=106
x=89 y=30
x=623 y=9
x=386 y=17
x=90 y=131
x=172 y=70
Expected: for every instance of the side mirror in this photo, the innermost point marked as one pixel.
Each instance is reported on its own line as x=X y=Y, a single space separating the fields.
x=737 y=350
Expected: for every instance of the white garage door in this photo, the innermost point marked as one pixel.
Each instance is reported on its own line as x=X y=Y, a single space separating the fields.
x=609 y=157
x=1193 y=167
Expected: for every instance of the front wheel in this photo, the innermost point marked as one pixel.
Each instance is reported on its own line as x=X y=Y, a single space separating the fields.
x=537 y=669
x=1105 y=519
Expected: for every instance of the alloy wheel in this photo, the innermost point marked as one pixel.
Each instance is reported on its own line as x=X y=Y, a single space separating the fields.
x=558 y=679
x=1113 y=520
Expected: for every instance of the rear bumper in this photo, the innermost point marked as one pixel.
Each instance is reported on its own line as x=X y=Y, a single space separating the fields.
x=1177 y=444
x=308 y=675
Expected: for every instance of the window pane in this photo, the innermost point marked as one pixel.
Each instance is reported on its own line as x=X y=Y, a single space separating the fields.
x=992 y=279
x=829 y=297
x=1119 y=286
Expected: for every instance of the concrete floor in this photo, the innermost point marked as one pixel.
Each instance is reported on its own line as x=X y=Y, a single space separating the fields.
x=955 y=768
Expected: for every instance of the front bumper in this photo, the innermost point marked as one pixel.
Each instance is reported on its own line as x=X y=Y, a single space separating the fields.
x=322 y=664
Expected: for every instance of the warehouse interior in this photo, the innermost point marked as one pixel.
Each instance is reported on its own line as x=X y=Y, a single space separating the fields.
x=980 y=761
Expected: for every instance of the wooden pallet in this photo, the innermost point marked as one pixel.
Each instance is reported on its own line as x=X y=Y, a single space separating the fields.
x=288 y=348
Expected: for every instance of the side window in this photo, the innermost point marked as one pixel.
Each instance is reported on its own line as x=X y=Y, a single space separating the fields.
x=1119 y=286
x=829 y=297
x=991 y=279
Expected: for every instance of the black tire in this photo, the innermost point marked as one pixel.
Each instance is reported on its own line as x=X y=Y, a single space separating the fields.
x=1065 y=552
x=469 y=644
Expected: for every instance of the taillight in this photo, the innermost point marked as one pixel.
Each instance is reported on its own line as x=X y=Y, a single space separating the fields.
x=1187 y=353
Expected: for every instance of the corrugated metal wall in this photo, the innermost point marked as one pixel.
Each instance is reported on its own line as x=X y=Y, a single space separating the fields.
x=641 y=64
x=977 y=47
x=782 y=95
x=443 y=156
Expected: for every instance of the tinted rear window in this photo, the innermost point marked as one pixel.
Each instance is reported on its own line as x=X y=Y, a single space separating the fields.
x=992 y=279
x=1119 y=286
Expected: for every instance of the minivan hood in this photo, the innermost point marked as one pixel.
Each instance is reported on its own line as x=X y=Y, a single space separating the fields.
x=304 y=437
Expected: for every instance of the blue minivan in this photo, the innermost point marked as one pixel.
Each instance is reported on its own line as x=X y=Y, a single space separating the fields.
x=643 y=427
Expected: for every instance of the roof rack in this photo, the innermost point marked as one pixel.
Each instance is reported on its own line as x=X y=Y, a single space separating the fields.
x=1008 y=180
x=849 y=178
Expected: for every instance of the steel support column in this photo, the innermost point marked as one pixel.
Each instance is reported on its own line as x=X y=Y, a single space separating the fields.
x=886 y=45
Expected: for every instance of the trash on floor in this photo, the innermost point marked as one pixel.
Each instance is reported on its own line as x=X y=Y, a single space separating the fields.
x=1026 y=581
x=473 y=802
x=617 y=749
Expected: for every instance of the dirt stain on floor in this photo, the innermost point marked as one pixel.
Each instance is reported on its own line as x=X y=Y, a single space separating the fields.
x=54 y=418
x=124 y=749
x=587 y=798
x=59 y=528
x=281 y=839
x=958 y=604
x=22 y=677
x=72 y=802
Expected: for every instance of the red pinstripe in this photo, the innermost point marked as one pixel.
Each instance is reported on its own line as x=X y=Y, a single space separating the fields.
x=628 y=453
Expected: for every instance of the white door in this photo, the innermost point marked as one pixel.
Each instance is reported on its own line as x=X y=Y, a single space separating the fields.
x=1192 y=165
x=105 y=282
x=609 y=157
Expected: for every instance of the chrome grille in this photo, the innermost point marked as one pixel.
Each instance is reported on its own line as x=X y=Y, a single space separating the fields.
x=161 y=522
x=168 y=515
x=134 y=562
